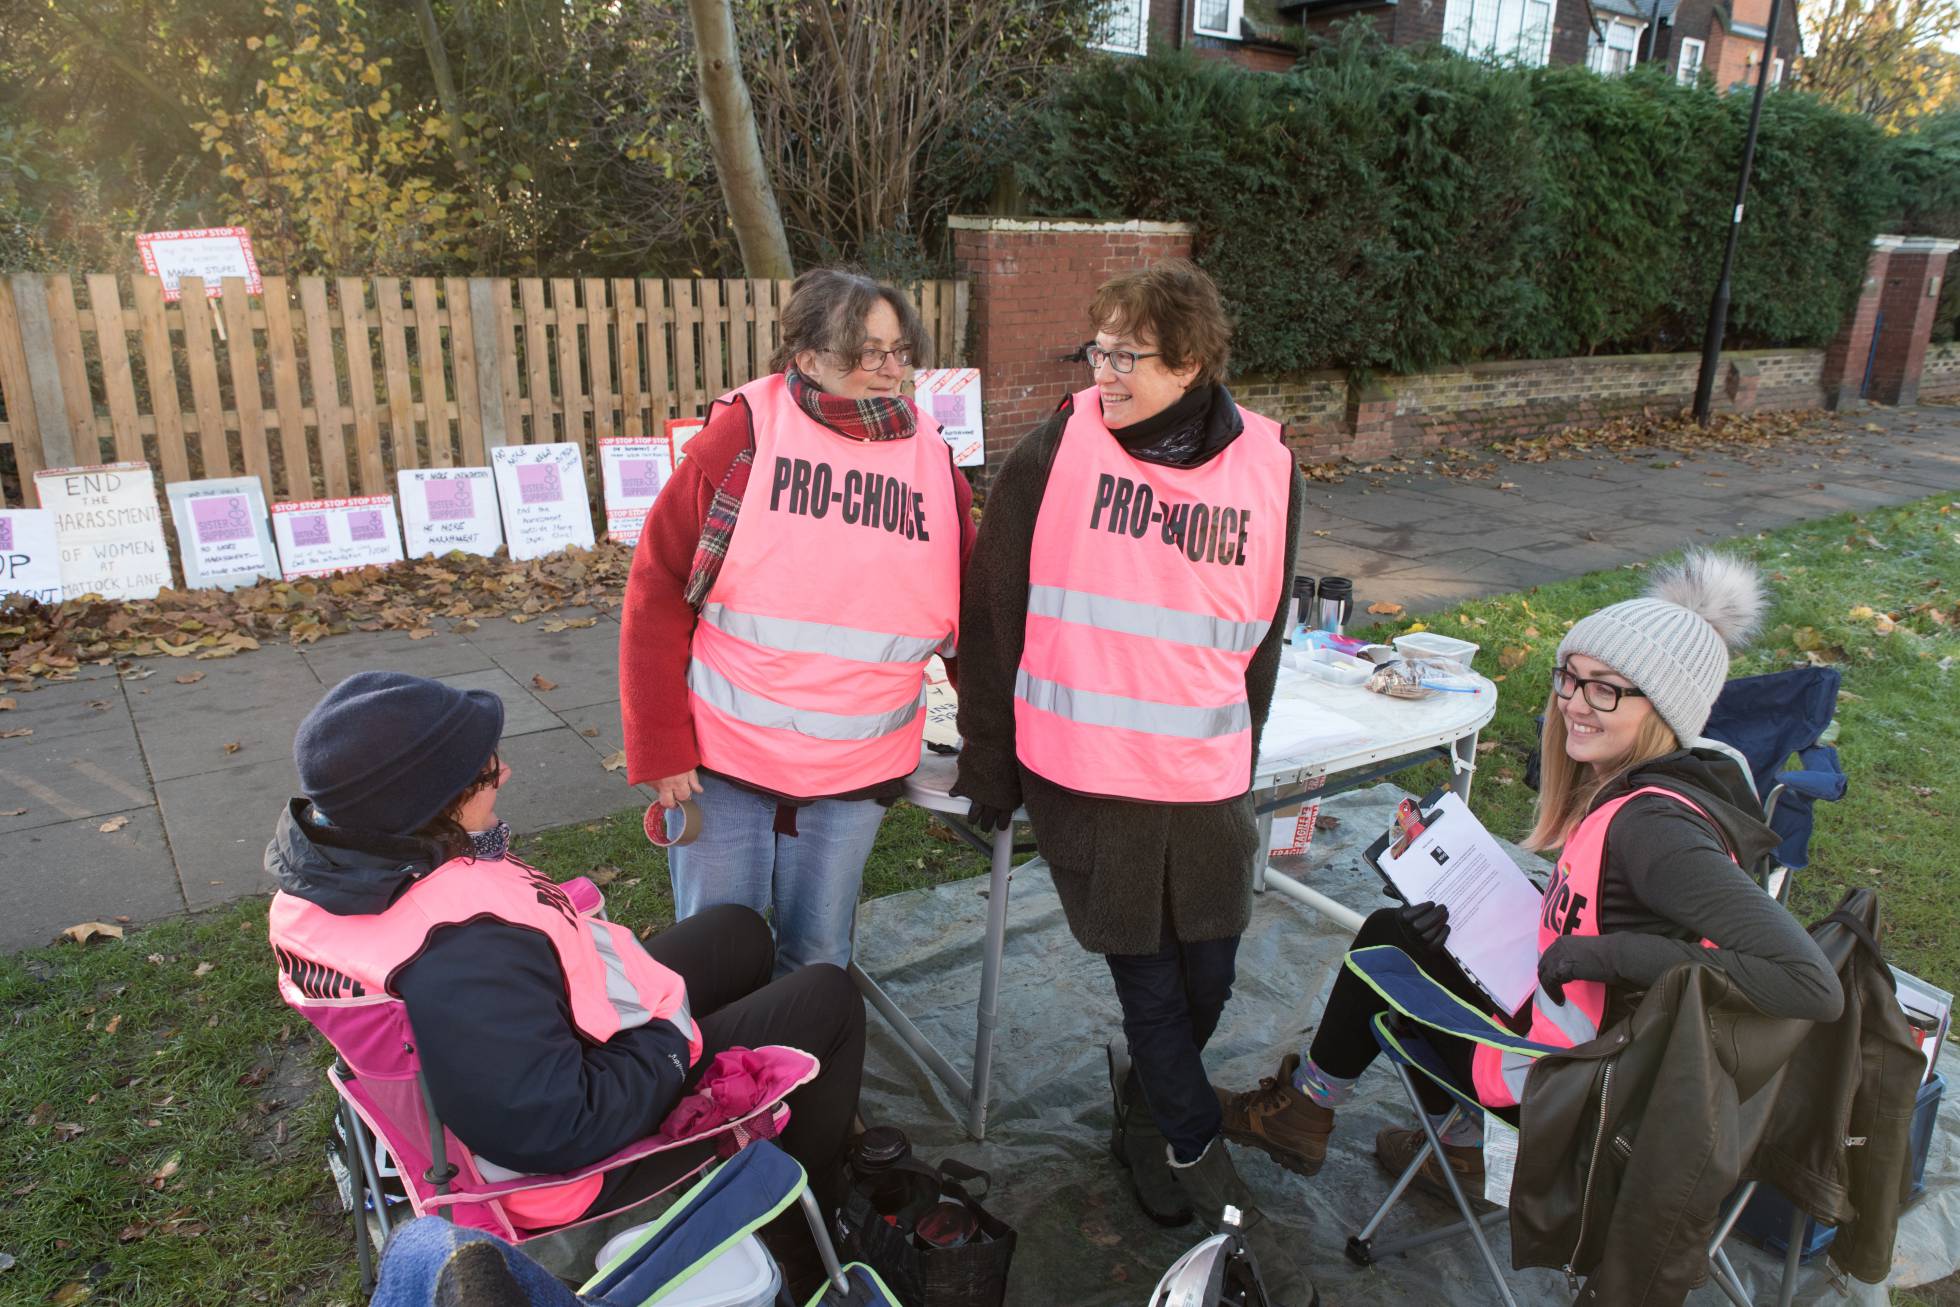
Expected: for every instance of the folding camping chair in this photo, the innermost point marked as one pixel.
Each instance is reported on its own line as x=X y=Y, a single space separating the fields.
x=1764 y=721
x=1418 y=1003
x=387 y=1126
x=727 y=1205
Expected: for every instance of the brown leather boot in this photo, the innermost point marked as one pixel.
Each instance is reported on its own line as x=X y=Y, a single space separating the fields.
x=1396 y=1148
x=1287 y=1125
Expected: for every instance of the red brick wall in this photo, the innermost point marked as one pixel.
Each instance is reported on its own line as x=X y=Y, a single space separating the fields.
x=1907 y=304
x=1940 y=379
x=1844 y=361
x=1030 y=283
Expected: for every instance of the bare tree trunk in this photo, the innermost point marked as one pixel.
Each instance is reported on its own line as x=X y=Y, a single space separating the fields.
x=452 y=109
x=745 y=186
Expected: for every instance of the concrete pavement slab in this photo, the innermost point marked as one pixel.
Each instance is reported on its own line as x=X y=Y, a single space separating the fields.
x=185 y=729
x=582 y=663
x=53 y=877
x=58 y=776
x=59 y=706
x=219 y=822
x=523 y=714
x=442 y=654
x=555 y=779
x=609 y=733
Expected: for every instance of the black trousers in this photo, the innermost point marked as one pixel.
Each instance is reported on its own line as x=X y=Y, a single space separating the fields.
x=1345 y=1043
x=727 y=955
x=1171 y=1002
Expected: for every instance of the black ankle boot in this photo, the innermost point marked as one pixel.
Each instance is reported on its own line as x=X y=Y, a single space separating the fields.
x=1138 y=1144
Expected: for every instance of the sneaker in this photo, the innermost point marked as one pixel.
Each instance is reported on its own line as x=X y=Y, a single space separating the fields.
x=1396 y=1148
x=1286 y=1124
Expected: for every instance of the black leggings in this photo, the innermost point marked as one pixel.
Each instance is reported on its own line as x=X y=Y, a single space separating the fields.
x=727 y=955
x=1345 y=1043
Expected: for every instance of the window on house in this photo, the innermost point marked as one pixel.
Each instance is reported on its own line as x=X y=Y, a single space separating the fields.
x=1125 y=27
x=1218 y=17
x=1689 y=69
x=1502 y=31
x=1615 y=54
x=1776 y=72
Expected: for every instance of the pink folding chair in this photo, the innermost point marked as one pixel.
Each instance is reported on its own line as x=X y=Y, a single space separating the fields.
x=384 y=1098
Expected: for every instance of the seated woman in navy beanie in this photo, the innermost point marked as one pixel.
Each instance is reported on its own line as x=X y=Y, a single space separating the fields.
x=548 y=1043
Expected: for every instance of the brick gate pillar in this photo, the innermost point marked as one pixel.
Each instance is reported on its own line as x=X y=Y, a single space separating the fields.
x=1907 y=304
x=1030 y=282
x=1845 y=359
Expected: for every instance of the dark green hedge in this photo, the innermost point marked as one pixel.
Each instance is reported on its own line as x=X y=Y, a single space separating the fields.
x=1397 y=210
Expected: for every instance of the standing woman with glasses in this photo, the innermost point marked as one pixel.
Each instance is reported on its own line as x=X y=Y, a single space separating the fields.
x=1655 y=843
x=1120 y=635
x=791 y=582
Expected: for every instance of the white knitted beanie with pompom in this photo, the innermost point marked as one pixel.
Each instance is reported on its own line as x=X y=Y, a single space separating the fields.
x=1674 y=641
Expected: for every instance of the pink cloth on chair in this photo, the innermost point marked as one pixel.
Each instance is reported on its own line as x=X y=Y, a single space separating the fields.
x=736 y=1083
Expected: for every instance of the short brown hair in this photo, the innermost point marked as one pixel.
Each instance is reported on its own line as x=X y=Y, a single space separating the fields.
x=826 y=311
x=1178 y=307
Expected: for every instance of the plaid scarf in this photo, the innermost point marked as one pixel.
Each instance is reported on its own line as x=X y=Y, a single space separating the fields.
x=859 y=419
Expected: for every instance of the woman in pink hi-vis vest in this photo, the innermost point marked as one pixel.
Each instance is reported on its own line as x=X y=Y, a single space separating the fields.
x=1120 y=637
x=1652 y=837
x=549 y=1039
x=790 y=586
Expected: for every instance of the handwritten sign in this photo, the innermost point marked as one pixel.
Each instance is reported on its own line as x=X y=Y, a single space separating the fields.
x=222 y=535
x=679 y=432
x=449 y=508
x=951 y=397
x=318 y=537
x=542 y=490
x=631 y=472
x=110 y=529
x=30 y=560
x=212 y=253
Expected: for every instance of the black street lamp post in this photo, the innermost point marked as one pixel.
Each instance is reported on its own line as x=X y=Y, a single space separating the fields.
x=1718 y=308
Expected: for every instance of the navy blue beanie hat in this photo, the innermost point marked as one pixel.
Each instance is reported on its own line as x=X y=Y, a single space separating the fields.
x=386 y=751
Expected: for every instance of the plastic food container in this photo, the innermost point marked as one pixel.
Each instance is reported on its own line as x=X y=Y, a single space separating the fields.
x=1337 y=668
x=1428 y=644
x=744 y=1276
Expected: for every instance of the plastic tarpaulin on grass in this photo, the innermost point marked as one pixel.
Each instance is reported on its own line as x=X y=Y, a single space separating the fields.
x=1082 y=1240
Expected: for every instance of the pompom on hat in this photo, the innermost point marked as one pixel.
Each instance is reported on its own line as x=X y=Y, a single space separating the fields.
x=1674 y=642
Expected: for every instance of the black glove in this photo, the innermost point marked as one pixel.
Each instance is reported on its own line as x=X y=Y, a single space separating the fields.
x=1427 y=923
x=1558 y=966
x=986 y=817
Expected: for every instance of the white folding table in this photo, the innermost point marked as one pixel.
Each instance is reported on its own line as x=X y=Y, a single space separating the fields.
x=1394 y=734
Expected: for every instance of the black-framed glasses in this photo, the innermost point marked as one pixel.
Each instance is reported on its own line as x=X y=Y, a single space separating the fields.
x=1122 y=361
x=1604 y=696
x=870 y=360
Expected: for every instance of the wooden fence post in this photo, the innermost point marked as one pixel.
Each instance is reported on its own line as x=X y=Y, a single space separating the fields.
x=490 y=347
x=43 y=369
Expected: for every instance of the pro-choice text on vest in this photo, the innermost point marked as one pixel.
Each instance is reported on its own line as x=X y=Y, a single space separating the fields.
x=863 y=499
x=1206 y=533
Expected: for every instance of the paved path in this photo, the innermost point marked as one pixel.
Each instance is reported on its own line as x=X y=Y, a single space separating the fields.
x=157 y=752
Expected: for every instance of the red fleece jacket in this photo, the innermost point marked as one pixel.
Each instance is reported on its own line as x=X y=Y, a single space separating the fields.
x=657 y=625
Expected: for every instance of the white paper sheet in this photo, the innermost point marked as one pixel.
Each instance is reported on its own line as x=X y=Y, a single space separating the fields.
x=1493 y=906
x=1297 y=731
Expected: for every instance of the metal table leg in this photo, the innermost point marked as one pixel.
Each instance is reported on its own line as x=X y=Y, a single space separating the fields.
x=1465 y=764
x=998 y=886
x=1264 y=820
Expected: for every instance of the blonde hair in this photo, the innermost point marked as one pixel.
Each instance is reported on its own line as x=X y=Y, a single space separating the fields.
x=1566 y=789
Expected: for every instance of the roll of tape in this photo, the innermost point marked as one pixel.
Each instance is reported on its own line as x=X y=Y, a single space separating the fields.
x=656 y=824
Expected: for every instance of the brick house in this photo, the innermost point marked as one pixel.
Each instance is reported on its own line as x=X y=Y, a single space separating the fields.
x=1725 y=38
x=1254 y=34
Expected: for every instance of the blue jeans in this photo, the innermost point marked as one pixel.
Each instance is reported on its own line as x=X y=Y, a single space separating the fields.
x=419 y=1268
x=806 y=884
x=1171 y=1002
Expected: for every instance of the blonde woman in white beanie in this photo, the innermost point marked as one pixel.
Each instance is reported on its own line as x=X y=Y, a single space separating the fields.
x=1652 y=840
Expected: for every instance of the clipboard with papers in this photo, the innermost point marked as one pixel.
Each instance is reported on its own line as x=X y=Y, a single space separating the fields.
x=1446 y=856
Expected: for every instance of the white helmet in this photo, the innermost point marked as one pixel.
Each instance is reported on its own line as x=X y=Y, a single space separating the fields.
x=1199 y=1277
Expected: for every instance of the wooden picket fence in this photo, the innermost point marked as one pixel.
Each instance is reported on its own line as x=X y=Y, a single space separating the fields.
x=328 y=386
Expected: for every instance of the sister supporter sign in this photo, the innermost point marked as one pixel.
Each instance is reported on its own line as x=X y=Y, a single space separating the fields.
x=318 y=537
x=632 y=472
x=221 y=531
x=449 y=508
x=542 y=490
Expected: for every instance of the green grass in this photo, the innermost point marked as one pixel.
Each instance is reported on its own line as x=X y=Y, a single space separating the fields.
x=1899 y=715
x=212 y=1071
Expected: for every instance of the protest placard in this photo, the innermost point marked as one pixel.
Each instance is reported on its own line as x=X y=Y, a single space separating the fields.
x=951 y=397
x=109 y=529
x=448 y=508
x=542 y=491
x=30 y=561
x=679 y=432
x=222 y=536
x=212 y=253
x=631 y=472
x=318 y=537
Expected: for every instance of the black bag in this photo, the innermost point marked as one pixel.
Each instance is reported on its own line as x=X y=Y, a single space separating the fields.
x=972 y=1275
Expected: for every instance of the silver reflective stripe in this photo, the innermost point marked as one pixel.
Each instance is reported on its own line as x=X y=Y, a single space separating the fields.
x=1513 y=1066
x=794 y=636
x=1092 y=708
x=1571 y=1020
x=620 y=992
x=740 y=704
x=1133 y=618
x=948 y=648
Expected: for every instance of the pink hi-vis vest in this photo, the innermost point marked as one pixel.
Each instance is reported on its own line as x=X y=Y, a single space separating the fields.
x=1149 y=589
x=1570 y=907
x=842 y=578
